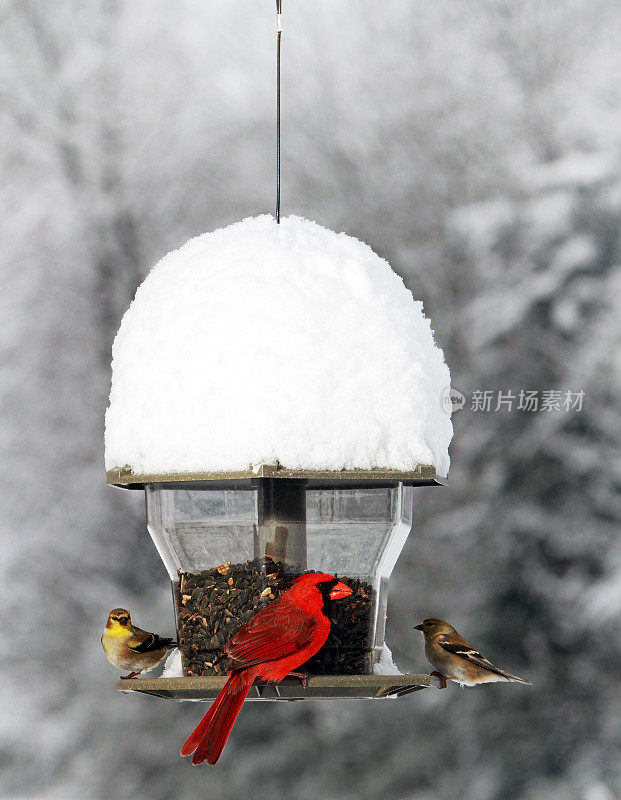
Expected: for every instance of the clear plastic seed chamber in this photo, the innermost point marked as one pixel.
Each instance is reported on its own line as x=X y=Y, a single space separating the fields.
x=230 y=551
x=232 y=547
x=277 y=394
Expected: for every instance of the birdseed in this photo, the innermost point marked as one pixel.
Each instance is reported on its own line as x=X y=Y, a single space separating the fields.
x=214 y=604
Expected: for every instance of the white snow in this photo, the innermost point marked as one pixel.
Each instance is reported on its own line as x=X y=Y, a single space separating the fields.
x=257 y=343
x=386 y=665
x=582 y=169
x=479 y=222
x=172 y=665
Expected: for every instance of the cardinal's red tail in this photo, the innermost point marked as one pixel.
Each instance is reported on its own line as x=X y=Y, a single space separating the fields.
x=207 y=740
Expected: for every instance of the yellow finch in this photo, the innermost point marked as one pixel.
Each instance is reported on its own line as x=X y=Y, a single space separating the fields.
x=456 y=659
x=128 y=647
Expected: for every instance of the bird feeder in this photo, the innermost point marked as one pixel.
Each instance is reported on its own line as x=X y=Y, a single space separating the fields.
x=277 y=395
x=343 y=366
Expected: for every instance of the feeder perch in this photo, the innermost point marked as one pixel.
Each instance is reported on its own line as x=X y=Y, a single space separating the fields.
x=295 y=342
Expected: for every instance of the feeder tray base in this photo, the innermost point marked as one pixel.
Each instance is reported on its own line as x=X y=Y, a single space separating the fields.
x=318 y=687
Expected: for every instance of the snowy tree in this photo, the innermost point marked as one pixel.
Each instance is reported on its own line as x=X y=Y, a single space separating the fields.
x=475 y=146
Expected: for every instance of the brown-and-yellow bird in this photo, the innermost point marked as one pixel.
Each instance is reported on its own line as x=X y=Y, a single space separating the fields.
x=128 y=647
x=456 y=659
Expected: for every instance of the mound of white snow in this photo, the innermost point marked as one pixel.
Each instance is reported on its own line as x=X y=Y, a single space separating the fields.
x=172 y=666
x=386 y=665
x=257 y=343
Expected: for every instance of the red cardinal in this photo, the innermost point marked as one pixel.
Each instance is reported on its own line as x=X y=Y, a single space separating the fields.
x=277 y=640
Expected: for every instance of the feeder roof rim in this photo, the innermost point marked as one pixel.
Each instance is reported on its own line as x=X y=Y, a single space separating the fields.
x=424 y=474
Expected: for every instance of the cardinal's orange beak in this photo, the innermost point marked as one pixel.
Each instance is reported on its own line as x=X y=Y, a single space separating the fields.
x=339 y=591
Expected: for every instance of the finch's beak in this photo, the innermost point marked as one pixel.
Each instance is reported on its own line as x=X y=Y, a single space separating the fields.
x=418 y=627
x=339 y=591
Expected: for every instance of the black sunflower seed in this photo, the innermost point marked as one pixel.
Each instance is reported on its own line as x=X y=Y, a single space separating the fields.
x=213 y=604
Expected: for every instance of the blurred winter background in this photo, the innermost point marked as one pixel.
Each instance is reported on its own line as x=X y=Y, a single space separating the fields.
x=477 y=146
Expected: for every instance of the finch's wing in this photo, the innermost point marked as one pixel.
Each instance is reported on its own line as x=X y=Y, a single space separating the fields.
x=272 y=634
x=144 y=642
x=460 y=647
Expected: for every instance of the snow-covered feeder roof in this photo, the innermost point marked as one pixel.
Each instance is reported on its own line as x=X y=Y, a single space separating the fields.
x=286 y=345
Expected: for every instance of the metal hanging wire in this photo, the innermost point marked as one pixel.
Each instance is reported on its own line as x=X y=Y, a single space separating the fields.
x=278 y=45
